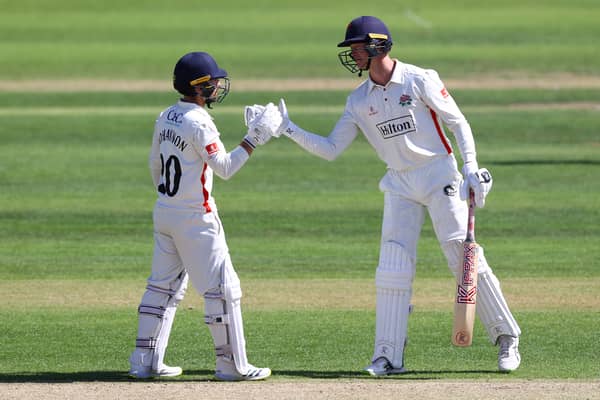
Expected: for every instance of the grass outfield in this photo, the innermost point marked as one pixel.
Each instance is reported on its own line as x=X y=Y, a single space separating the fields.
x=267 y=38
x=303 y=233
x=76 y=197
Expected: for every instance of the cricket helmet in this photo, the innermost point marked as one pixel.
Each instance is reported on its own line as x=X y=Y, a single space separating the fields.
x=199 y=69
x=368 y=30
x=365 y=29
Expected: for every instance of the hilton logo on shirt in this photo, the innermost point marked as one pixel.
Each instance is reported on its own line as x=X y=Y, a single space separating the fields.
x=396 y=127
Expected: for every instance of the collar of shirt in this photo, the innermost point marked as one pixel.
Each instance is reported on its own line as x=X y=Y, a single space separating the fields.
x=186 y=105
x=397 y=76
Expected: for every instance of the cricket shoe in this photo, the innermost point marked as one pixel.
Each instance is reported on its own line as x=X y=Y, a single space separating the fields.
x=226 y=371
x=509 y=358
x=145 y=372
x=382 y=367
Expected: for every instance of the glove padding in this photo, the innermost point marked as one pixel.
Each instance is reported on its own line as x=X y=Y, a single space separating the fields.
x=480 y=180
x=252 y=112
x=261 y=122
x=285 y=119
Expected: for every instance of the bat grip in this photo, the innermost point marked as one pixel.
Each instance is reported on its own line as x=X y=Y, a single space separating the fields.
x=471 y=217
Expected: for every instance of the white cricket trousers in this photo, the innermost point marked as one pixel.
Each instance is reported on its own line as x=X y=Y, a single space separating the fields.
x=408 y=194
x=190 y=240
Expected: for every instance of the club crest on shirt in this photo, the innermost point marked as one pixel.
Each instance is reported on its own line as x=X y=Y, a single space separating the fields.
x=405 y=100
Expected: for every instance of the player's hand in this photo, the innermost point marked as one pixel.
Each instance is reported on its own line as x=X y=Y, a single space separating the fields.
x=478 y=179
x=262 y=122
x=287 y=126
x=252 y=112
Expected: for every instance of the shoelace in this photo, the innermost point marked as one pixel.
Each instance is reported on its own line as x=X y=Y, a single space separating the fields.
x=505 y=348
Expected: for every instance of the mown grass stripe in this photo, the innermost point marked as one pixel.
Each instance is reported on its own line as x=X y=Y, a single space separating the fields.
x=147 y=110
x=430 y=294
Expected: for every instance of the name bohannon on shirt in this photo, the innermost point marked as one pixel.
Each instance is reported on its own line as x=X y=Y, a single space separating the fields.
x=169 y=135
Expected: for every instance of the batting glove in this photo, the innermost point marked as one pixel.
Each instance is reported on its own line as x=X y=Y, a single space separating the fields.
x=252 y=112
x=478 y=179
x=262 y=121
x=287 y=127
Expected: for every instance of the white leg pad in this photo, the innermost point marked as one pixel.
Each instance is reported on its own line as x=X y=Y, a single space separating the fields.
x=393 y=280
x=156 y=314
x=224 y=319
x=492 y=308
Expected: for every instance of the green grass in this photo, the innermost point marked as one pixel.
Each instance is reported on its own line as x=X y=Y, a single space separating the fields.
x=76 y=197
x=288 y=343
x=268 y=38
x=77 y=200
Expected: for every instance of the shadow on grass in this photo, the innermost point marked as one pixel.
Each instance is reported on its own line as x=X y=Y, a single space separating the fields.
x=413 y=375
x=207 y=375
x=545 y=162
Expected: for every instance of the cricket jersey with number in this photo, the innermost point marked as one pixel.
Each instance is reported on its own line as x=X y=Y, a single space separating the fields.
x=186 y=149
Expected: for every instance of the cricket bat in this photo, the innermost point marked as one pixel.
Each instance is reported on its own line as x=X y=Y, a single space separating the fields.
x=466 y=292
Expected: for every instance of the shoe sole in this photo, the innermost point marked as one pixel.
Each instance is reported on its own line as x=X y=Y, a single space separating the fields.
x=504 y=369
x=395 y=371
x=232 y=378
x=150 y=376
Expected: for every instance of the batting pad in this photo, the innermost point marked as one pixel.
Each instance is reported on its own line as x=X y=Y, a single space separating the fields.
x=393 y=280
x=492 y=308
x=224 y=319
x=156 y=316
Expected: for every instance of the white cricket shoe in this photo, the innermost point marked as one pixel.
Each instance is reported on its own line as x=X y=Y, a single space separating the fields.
x=382 y=367
x=226 y=371
x=145 y=372
x=509 y=358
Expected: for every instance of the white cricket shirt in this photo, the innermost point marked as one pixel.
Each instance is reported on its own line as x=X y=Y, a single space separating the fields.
x=401 y=120
x=186 y=149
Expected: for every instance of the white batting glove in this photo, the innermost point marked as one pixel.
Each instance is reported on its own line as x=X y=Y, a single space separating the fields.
x=287 y=127
x=252 y=112
x=262 y=121
x=478 y=179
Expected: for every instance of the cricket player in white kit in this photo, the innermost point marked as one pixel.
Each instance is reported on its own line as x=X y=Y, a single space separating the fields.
x=400 y=109
x=189 y=241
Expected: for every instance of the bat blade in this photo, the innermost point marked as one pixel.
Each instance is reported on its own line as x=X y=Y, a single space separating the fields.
x=466 y=291
x=466 y=297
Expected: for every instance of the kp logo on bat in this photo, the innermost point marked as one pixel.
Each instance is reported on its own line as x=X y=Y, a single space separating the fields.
x=466 y=296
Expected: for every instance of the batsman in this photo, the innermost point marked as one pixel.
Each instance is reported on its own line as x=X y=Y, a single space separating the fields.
x=189 y=238
x=401 y=109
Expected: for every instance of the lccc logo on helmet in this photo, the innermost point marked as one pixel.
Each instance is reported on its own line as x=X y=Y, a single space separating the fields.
x=368 y=30
x=199 y=69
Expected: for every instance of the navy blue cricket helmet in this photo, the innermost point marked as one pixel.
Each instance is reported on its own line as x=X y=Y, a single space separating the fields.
x=368 y=30
x=199 y=69
x=365 y=29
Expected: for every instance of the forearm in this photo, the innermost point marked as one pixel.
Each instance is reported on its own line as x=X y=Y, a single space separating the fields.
x=225 y=165
x=464 y=140
x=328 y=148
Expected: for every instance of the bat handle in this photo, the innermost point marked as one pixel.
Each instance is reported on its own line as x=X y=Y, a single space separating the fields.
x=471 y=217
